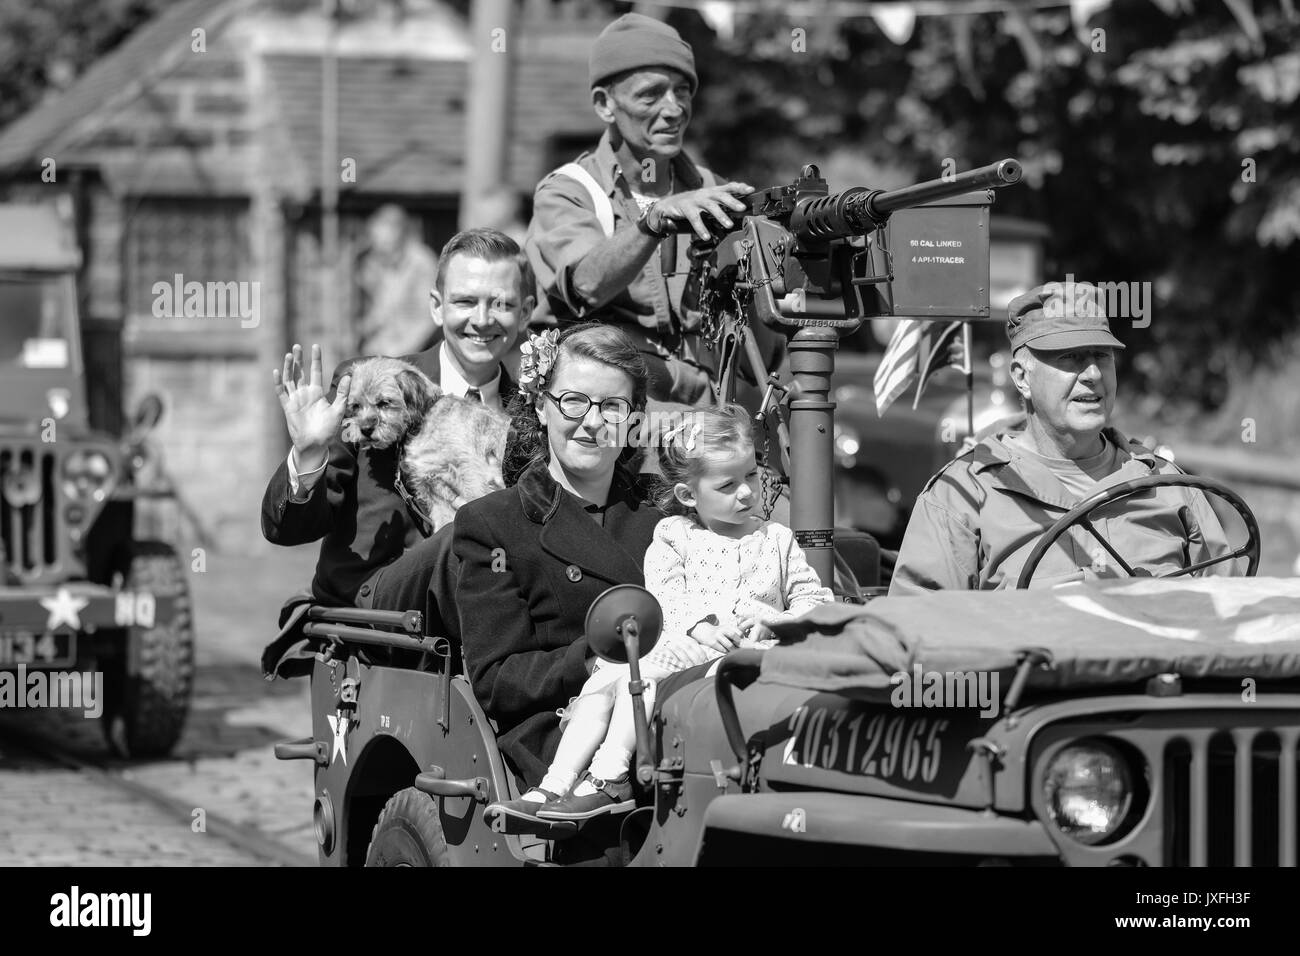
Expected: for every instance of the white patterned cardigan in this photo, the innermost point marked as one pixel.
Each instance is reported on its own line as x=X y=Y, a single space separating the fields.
x=694 y=573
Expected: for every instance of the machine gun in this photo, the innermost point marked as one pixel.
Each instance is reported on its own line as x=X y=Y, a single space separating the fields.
x=801 y=241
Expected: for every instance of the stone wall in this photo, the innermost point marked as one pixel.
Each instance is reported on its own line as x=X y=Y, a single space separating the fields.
x=193 y=131
x=210 y=442
x=186 y=132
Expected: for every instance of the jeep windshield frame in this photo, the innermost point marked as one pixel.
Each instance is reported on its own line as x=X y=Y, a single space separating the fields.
x=41 y=364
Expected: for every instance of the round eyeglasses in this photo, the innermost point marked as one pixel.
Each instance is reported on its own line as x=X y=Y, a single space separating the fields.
x=575 y=405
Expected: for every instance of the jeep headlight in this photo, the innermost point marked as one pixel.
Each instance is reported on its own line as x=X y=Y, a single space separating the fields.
x=1088 y=789
x=87 y=475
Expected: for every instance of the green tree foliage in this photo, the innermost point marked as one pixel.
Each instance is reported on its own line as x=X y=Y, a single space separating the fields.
x=1133 y=141
x=44 y=46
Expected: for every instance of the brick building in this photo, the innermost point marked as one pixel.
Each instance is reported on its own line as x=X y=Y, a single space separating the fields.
x=194 y=148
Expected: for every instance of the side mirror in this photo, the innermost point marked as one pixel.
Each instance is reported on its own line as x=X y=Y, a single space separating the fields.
x=148 y=412
x=622 y=626
x=624 y=619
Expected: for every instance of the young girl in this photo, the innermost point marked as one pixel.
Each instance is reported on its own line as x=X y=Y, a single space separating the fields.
x=718 y=569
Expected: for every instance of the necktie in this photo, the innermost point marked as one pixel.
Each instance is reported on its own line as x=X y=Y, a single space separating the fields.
x=473 y=394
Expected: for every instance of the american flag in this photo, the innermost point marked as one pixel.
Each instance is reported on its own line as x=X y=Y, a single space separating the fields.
x=916 y=351
x=899 y=365
x=942 y=346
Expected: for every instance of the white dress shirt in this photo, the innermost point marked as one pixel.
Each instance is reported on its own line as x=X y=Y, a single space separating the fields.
x=453 y=382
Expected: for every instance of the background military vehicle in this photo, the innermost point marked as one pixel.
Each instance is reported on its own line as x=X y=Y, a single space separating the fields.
x=78 y=589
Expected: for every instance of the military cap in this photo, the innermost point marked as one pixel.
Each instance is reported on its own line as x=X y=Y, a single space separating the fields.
x=1059 y=315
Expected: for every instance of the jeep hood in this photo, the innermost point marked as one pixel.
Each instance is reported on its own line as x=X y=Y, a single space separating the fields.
x=1098 y=634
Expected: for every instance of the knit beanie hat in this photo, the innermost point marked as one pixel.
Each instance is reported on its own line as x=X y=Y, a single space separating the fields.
x=634 y=42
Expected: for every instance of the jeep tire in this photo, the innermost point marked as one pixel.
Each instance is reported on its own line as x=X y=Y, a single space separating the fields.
x=408 y=833
x=145 y=711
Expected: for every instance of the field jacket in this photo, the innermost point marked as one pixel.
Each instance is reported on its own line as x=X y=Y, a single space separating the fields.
x=978 y=519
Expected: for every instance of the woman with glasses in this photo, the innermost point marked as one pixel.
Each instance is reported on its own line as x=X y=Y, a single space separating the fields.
x=573 y=522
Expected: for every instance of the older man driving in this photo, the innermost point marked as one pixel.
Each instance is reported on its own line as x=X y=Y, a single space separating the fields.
x=977 y=520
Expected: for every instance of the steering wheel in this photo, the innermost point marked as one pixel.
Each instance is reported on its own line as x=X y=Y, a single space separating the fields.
x=1082 y=513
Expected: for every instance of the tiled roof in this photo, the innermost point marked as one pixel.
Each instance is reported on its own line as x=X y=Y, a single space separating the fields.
x=403 y=121
x=401 y=117
x=38 y=131
x=400 y=120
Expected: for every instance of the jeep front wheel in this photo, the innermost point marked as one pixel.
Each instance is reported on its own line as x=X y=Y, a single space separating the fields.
x=147 y=704
x=408 y=833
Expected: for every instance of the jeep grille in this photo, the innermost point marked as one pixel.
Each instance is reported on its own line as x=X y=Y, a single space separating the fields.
x=1230 y=797
x=28 y=528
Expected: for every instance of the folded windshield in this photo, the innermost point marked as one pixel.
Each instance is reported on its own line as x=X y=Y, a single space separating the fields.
x=34 y=317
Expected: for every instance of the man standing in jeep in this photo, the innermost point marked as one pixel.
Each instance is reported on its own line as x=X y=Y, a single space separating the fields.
x=596 y=241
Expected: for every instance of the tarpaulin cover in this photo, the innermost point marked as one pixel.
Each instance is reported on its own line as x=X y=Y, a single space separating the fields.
x=1099 y=633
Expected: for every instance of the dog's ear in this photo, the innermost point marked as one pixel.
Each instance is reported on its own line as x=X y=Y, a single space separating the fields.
x=418 y=393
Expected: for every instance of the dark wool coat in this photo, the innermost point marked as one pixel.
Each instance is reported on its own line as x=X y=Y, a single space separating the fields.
x=532 y=560
x=422 y=579
x=354 y=509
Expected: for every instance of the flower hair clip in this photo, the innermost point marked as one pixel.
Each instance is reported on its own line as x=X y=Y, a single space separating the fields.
x=536 y=359
x=680 y=431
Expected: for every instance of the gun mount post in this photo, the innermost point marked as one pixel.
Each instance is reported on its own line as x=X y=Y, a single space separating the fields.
x=812 y=452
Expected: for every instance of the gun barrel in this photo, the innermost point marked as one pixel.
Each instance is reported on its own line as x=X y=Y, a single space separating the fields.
x=879 y=206
x=859 y=210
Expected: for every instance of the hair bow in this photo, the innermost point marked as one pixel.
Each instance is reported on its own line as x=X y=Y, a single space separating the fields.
x=679 y=431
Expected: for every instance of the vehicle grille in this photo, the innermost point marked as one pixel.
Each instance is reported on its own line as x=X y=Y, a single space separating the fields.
x=1230 y=797
x=28 y=529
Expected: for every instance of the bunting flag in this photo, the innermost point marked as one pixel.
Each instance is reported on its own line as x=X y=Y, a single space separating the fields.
x=896 y=17
x=1081 y=11
x=947 y=348
x=721 y=16
x=1244 y=11
x=895 y=20
x=900 y=363
x=1017 y=24
x=964 y=51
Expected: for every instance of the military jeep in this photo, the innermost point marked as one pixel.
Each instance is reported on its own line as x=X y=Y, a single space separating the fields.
x=78 y=590
x=1130 y=722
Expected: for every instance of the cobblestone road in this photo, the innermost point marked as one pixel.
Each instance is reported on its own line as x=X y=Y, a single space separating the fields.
x=63 y=817
x=53 y=814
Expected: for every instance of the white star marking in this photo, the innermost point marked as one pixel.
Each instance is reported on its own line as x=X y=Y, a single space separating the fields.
x=64 y=609
x=339 y=724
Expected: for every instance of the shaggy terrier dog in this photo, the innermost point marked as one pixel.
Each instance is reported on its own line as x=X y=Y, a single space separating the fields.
x=455 y=457
x=387 y=401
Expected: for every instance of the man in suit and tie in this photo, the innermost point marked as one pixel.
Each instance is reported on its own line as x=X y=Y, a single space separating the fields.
x=330 y=491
